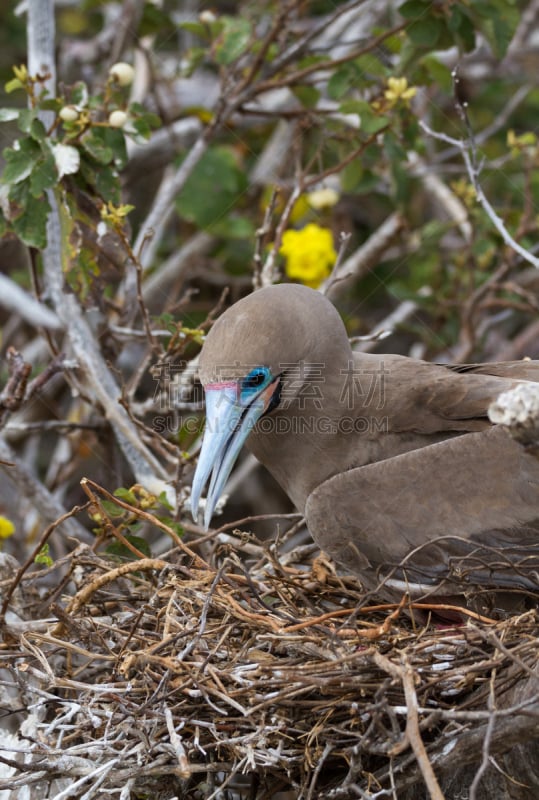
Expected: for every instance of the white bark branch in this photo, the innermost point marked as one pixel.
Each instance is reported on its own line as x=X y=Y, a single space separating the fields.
x=464 y=148
x=15 y=299
x=97 y=378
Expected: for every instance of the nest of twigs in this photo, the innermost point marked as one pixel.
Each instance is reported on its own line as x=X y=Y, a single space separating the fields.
x=180 y=679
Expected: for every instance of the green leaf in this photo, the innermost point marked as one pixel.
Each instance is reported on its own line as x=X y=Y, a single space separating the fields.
x=142 y=123
x=51 y=104
x=79 y=94
x=31 y=225
x=497 y=20
x=462 y=28
x=425 y=32
x=342 y=81
x=38 y=131
x=213 y=188
x=172 y=523
x=414 y=9
x=438 y=73
x=308 y=96
x=154 y=22
x=163 y=499
x=359 y=107
x=44 y=175
x=26 y=117
x=137 y=110
x=395 y=152
x=105 y=180
x=370 y=66
x=234 y=227
x=401 y=184
x=373 y=124
x=351 y=175
x=20 y=162
x=194 y=57
x=126 y=495
x=118 y=549
x=43 y=556
x=455 y=20
x=112 y=509
x=107 y=183
x=9 y=114
x=197 y=28
x=370 y=121
x=94 y=142
x=13 y=85
x=142 y=128
x=234 y=39
x=115 y=139
x=466 y=35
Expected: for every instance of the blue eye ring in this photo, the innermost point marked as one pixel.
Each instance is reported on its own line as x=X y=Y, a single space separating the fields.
x=255 y=380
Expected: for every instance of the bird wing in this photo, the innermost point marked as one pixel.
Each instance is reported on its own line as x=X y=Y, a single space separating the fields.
x=526 y=370
x=428 y=398
x=464 y=511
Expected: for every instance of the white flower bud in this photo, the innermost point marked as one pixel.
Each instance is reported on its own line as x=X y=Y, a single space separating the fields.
x=207 y=17
x=117 y=119
x=322 y=198
x=122 y=73
x=68 y=114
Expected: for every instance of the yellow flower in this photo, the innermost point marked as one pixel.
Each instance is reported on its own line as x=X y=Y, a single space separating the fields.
x=398 y=89
x=115 y=215
x=7 y=528
x=309 y=254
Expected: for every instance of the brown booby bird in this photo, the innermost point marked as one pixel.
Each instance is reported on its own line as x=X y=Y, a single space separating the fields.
x=402 y=477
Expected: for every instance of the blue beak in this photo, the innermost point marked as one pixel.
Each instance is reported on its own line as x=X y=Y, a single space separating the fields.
x=229 y=421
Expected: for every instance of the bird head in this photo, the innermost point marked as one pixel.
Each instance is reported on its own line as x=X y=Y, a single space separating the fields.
x=244 y=366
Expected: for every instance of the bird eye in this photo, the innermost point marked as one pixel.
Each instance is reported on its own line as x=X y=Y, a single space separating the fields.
x=256 y=378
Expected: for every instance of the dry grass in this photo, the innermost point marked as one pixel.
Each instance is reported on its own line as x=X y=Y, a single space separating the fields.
x=183 y=679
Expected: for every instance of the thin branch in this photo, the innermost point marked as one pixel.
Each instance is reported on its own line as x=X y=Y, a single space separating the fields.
x=294 y=78
x=268 y=275
x=32 y=557
x=163 y=206
x=485 y=761
x=261 y=235
x=473 y=173
x=385 y=327
x=412 y=735
x=369 y=254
